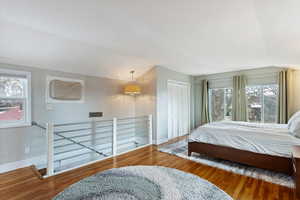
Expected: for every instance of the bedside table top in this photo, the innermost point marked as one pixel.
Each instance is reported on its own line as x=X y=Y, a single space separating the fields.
x=296 y=151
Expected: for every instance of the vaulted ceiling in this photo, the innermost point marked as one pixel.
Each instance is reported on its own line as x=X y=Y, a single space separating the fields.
x=111 y=37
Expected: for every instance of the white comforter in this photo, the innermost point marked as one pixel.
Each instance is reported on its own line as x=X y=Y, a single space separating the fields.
x=272 y=139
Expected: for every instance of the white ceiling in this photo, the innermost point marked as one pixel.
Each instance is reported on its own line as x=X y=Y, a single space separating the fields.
x=111 y=37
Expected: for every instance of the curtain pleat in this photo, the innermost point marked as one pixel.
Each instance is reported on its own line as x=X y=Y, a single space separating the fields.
x=284 y=95
x=239 y=100
x=204 y=103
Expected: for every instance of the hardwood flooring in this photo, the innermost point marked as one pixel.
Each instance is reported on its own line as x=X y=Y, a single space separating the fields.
x=26 y=185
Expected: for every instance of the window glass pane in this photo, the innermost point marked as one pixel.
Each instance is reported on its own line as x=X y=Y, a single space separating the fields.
x=11 y=110
x=12 y=87
x=254 y=103
x=217 y=104
x=270 y=103
x=228 y=104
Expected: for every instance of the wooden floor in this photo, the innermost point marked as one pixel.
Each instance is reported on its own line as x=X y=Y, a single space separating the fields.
x=24 y=183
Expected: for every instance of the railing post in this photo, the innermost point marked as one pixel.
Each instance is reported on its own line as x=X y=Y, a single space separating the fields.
x=150 y=129
x=49 y=131
x=114 y=139
x=93 y=131
x=93 y=136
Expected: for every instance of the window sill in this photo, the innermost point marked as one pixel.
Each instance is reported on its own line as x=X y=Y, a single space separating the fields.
x=15 y=125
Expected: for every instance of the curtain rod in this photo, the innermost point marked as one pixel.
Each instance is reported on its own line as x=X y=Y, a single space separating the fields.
x=273 y=74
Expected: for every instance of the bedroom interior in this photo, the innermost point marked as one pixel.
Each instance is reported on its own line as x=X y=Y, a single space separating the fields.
x=150 y=100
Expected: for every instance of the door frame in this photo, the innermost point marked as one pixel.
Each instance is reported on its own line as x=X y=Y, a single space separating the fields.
x=188 y=85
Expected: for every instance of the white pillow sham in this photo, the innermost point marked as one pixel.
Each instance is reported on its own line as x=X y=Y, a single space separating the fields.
x=294 y=129
x=293 y=118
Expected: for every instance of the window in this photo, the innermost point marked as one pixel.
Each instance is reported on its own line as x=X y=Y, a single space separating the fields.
x=15 y=109
x=220 y=105
x=262 y=103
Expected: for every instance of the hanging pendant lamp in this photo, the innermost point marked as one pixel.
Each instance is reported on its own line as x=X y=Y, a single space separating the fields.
x=132 y=88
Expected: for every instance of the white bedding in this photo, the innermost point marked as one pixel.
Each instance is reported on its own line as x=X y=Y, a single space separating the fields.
x=272 y=139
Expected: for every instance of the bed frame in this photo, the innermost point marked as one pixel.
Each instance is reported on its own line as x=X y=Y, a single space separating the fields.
x=275 y=163
x=264 y=161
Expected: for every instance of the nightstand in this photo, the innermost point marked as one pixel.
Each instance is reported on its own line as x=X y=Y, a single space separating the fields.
x=296 y=168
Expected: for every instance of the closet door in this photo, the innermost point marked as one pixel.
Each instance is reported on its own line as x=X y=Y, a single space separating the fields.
x=170 y=111
x=173 y=110
x=184 y=118
x=178 y=109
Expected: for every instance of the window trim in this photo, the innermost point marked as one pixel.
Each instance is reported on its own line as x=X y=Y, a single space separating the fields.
x=224 y=100
x=27 y=99
x=262 y=97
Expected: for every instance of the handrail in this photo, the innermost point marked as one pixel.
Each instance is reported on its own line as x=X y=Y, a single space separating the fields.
x=73 y=130
x=78 y=123
x=33 y=123
x=135 y=122
x=136 y=117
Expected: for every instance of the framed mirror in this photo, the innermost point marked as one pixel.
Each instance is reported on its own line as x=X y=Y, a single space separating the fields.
x=64 y=90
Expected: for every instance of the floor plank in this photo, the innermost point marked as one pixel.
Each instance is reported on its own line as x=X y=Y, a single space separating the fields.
x=23 y=184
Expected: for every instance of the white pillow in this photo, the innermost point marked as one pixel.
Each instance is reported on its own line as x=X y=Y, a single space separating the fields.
x=294 y=129
x=293 y=118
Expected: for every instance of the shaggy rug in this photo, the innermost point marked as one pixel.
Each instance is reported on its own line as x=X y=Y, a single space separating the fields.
x=180 y=149
x=143 y=183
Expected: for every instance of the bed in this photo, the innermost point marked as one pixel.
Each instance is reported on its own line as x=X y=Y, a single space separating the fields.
x=267 y=146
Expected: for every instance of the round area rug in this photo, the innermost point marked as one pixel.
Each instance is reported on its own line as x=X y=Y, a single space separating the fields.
x=143 y=183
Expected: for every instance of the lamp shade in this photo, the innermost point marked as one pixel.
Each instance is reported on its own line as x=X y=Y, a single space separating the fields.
x=132 y=89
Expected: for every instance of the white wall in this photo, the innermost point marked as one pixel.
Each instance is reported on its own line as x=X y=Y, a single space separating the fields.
x=145 y=103
x=101 y=94
x=163 y=75
x=154 y=98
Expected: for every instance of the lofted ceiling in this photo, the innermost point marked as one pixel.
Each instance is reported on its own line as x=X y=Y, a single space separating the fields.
x=111 y=37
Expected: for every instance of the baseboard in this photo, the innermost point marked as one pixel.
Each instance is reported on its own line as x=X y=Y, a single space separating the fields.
x=161 y=141
x=38 y=160
x=174 y=140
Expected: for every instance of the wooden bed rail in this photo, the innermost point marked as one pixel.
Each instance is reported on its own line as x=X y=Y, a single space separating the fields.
x=290 y=166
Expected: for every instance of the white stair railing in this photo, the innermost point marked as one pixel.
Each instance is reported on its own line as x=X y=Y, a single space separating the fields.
x=114 y=140
x=50 y=155
x=150 y=129
x=120 y=135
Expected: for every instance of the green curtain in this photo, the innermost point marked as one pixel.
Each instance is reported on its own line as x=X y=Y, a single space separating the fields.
x=204 y=103
x=284 y=96
x=239 y=100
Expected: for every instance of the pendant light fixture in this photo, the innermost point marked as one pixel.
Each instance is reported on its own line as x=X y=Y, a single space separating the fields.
x=132 y=88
